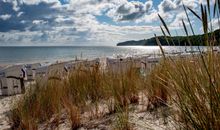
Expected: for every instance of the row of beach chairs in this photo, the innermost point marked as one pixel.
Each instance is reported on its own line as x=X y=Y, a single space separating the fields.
x=13 y=78
x=121 y=65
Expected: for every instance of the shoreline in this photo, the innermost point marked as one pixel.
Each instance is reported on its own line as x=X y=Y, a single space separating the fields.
x=67 y=54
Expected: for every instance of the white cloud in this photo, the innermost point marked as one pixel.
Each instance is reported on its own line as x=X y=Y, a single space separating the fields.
x=177 y=22
x=19 y=14
x=130 y=11
x=37 y=22
x=215 y=24
x=94 y=7
x=5 y=16
x=167 y=5
x=36 y=2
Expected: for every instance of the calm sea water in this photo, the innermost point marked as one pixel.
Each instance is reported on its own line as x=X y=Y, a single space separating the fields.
x=11 y=55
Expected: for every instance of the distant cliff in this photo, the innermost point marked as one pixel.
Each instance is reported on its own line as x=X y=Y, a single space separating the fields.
x=197 y=40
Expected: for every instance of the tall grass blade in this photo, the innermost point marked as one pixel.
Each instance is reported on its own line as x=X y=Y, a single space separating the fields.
x=194 y=13
x=205 y=22
x=159 y=44
x=185 y=29
x=167 y=29
x=164 y=24
x=216 y=11
x=164 y=34
x=188 y=19
x=187 y=34
x=218 y=7
x=215 y=8
x=208 y=4
x=218 y=20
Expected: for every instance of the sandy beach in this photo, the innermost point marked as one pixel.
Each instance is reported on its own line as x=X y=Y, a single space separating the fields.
x=139 y=117
x=3 y=65
x=5 y=107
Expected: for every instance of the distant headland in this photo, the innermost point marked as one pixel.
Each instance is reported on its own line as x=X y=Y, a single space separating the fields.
x=196 y=40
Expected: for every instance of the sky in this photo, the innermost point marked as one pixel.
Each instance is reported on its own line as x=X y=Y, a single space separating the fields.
x=89 y=22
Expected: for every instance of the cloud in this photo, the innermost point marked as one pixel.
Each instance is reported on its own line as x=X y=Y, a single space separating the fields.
x=176 y=5
x=173 y=12
x=130 y=11
x=93 y=7
x=23 y=18
x=167 y=5
x=5 y=16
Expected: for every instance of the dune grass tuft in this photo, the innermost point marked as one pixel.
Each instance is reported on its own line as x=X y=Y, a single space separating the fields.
x=75 y=94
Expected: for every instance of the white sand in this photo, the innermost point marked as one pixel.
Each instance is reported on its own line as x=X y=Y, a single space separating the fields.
x=5 y=106
x=139 y=118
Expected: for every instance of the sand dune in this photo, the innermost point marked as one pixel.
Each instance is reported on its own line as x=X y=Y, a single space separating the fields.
x=5 y=106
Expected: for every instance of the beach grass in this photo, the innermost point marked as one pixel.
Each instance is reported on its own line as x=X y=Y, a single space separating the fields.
x=75 y=94
x=189 y=88
x=188 y=85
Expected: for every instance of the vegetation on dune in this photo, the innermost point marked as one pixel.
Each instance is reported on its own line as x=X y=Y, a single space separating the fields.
x=189 y=86
x=75 y=94
x=191 y=83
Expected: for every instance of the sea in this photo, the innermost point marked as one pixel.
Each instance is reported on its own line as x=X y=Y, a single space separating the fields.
x=38 y=54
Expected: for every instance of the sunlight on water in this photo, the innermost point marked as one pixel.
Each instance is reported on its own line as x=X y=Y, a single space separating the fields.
x=10 y=55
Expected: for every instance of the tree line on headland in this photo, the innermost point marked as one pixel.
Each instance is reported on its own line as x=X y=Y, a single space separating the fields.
x=196 y=40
